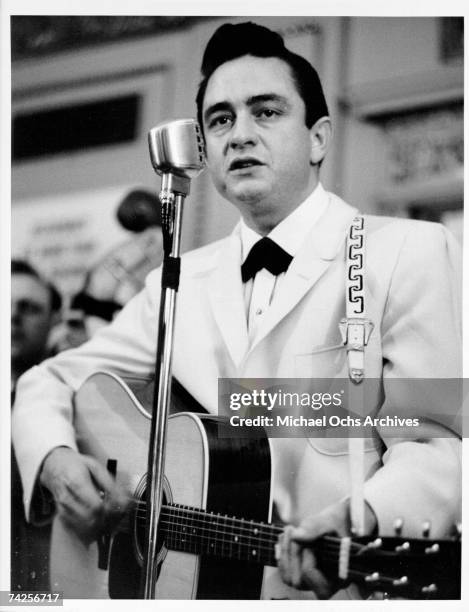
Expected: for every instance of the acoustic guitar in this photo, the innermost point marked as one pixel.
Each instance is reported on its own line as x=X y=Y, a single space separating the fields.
x=215 y=525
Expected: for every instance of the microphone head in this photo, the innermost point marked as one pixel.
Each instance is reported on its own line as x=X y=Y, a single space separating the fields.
x=178 y=147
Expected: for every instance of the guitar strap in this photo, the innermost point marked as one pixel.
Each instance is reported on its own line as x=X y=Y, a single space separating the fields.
x=355 y=330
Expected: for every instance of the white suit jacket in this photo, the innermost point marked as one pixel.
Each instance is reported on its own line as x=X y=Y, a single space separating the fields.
x=412 y=295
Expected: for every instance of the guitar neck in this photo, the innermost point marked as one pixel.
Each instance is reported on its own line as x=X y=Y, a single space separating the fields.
x=197 y=531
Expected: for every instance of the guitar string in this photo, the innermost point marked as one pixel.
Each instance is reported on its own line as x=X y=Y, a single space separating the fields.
x=179 y=511
x=260 y=537
x=224 y=537
x=208 y=529
x=221 y=521
x=200 y=543
x=326 y=558
x=244 y=552
x=262 y=545
x=263 y=554
x=241 y=547
x=268 y=559
x=191 y=540
x=382 y=580
x=264 y=534
x=205 y=517
x=244 y=548
x=249 y=531
x=211 y=524
x=208 y=533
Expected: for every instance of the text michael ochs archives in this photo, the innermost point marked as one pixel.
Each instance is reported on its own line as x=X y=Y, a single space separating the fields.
x=318 y=401
x=336 y=408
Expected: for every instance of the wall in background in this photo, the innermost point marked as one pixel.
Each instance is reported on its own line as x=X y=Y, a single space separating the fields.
x=394 y=87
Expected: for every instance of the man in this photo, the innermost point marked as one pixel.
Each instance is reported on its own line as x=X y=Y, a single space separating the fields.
x=35 y=308
x=267 y=130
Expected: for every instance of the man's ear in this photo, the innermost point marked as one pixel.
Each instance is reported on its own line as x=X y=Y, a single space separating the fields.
x=321 y=136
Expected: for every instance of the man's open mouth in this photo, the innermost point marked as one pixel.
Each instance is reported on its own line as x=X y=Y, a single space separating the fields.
x=244 y=162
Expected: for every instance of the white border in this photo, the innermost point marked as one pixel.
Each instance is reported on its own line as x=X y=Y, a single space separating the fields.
x=401 y=8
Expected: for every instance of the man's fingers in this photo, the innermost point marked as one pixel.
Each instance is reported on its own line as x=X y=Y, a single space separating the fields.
x=289 y=558
x=78 y=501
x=297 y=561
x=69 y=480
x=86 y=495
x=298 y=567
x=104 y=480
x=312 y=578
x=112 y=496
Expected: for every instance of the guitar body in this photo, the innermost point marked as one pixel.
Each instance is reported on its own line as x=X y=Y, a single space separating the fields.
x=216 y=536
x=203 y=469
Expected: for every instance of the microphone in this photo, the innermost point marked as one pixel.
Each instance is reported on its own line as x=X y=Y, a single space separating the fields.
x=177 y=153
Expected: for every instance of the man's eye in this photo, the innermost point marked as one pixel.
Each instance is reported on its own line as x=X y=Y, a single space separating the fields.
x=268 y=113
x=219 y=121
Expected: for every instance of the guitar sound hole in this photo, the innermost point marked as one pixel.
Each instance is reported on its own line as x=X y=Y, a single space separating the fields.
x=140 y=519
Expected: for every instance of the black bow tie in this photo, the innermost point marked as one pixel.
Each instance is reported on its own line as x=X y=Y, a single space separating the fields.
x=265 y=254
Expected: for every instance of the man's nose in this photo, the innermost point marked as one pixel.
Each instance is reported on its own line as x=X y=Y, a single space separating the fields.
x=243 y=132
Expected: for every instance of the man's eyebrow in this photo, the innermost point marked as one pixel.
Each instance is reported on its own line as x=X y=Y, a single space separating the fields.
x=267 y=97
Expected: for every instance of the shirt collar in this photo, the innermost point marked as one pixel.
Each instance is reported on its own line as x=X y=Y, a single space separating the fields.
x=292 y=231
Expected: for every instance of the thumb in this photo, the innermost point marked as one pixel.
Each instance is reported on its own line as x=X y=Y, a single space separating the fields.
x=116 y=498
x=103 y=480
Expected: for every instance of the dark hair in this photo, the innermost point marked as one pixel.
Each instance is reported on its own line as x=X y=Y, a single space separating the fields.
x=139 y=210
x=20 y=266
x=231 y=41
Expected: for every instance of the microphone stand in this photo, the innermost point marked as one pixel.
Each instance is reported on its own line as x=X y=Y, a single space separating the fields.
x=174 y=189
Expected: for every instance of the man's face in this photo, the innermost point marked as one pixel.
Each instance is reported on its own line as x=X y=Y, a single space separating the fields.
x=258 y=145
x=31 y=319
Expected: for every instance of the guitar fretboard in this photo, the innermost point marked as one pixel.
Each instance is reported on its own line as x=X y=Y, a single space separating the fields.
x=196 y=531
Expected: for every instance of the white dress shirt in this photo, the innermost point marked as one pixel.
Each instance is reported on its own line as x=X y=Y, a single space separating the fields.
x=290 y=234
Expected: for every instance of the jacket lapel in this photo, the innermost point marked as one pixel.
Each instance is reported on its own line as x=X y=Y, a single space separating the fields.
x=310 y=263
x=225 y=290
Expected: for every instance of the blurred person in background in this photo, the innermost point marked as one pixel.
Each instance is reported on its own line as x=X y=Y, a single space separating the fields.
x=35 y=309
x=118 y=275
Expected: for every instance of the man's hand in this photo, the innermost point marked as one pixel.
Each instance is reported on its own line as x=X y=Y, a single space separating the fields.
x=296 y=560
x=86 y=496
